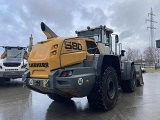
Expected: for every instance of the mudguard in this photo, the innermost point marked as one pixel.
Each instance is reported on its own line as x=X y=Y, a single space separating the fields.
x=126 y=70
x=108 y=60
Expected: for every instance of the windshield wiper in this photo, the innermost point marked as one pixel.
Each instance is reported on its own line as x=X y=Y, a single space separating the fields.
x=17 y=54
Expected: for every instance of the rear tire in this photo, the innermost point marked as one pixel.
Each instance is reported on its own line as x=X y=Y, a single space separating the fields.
x=58 y=98
x=138 y=82
x=2 y=81
x=104 y=97
x=7 y=79
x=130 y=85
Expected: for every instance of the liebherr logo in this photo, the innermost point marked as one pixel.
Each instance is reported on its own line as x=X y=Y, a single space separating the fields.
x=38 y=64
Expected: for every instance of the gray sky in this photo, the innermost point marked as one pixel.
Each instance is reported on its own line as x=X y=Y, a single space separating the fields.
x=20 y=18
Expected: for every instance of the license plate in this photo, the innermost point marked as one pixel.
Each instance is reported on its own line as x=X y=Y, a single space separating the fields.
x=38 y=82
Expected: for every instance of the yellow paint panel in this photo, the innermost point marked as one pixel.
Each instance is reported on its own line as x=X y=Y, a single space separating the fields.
x=80 y=42
x=69 y=55
x=72 y=58
x=42 y=52
x=39 y=73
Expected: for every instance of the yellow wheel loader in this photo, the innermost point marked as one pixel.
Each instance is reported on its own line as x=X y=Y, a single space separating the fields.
x=80 y=66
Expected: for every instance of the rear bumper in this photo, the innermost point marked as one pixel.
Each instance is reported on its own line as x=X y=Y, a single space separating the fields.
x=77 y=85
x=11 y=74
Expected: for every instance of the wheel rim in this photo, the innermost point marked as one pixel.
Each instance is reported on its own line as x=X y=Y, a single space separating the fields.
x=111 y=89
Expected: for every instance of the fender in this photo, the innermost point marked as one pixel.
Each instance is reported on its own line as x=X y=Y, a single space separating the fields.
x=126 y=68
x=108 y=60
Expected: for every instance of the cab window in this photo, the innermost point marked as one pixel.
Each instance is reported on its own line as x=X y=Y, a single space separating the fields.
x=106 y=38
x=92 y=47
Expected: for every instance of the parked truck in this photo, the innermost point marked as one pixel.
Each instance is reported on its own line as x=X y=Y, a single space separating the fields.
x=80 y=66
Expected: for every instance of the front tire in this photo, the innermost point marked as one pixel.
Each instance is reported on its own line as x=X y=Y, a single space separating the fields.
x=58 y=98
x=105 y=96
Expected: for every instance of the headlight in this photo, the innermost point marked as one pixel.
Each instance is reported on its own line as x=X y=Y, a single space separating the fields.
x=24 y=66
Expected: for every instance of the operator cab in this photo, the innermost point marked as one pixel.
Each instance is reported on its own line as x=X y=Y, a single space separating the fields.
x=15 y=52
x=101 y=35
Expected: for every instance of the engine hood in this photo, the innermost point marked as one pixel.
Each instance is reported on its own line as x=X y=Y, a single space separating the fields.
x=12 y=60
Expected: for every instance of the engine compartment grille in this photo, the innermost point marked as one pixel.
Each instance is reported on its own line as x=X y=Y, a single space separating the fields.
x=11 y=64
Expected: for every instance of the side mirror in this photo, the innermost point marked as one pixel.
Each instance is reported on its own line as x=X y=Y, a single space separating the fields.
x=122 y=52
x=116 y=38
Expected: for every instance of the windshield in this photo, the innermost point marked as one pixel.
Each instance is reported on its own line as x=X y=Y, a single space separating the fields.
x=97 y=38
x=93 y=34
x=15 y=52
x=96 y=35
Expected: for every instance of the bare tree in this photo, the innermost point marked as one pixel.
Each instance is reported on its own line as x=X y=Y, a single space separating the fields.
x=132 y=54
x=149 y=55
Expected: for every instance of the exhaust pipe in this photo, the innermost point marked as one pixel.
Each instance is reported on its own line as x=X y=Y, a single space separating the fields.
x=47 y=31
x=30 y=43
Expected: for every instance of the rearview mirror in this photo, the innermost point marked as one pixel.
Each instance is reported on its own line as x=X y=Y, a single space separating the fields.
x=122 y=52
x=116 y=38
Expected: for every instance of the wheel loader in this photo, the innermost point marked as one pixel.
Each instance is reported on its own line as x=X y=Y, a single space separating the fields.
x=80 y=66
x=13 y=62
